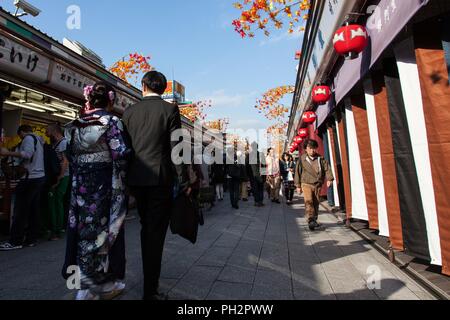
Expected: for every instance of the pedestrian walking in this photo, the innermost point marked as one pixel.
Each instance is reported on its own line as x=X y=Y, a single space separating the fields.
x=273 y=175
x=218 y=179
x=245 y=179
x=25 y=221
x=152 y=175
x=97 y=154
x=234 y=172
x=287 y=172
x=59 y=184
x=255 y=174
x=310 y=174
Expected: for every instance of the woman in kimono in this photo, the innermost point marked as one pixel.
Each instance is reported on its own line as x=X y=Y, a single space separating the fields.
x=97 y=153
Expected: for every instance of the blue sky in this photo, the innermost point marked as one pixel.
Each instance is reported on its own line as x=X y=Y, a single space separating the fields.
x=193 y=39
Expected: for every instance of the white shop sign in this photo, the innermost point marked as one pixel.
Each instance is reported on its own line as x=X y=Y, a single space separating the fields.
x=69 y=81
x=22 y=62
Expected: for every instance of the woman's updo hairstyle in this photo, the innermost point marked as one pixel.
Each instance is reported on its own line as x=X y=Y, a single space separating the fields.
x=100 y=95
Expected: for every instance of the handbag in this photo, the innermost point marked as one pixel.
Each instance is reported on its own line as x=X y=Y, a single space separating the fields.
x=290 y=176
x=185 y=218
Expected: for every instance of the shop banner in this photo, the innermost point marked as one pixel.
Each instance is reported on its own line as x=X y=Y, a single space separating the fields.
x=69 y=81
x=123 y=102
x=22 y=62
x=386 y=21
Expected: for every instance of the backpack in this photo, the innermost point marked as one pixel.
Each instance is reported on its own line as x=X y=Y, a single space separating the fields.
x=52 y=163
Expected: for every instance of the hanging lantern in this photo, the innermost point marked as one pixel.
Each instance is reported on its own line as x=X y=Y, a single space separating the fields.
x=298 y=55
x=293 y=148
x=298 y=140
x=321 y=94
x=351 y=40
x=303 y=133
x=309 y=117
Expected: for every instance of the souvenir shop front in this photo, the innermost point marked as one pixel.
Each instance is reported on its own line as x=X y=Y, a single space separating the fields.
x=42 y=82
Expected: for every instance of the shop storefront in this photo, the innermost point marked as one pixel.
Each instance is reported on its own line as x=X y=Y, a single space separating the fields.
x=386 y=125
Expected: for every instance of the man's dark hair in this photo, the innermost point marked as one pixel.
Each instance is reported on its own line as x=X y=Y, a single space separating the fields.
x=25 y=128
x=155 y=81
x=313 y=144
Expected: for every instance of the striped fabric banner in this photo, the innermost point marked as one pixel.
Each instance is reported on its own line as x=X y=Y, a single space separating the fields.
x=383 y=223
x=359 y=203
x=412 y=212
x=327 y=155
x=432 y=63
x=387 y=160
x=410 y=82
x=340 y=124
x=365 y=150
x=333 y=163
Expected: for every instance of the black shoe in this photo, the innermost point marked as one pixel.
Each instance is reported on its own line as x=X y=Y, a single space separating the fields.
x=277 y=201
x=313 y=225
x=236 y=207
x=245 y=199
x=157 y=297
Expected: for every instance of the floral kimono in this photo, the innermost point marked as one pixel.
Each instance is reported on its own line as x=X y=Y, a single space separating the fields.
x=97 y=153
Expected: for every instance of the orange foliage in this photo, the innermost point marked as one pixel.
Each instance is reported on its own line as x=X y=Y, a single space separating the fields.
x=269 y=104
x=261 y=14
x=219 y=124
x=131 y=69
x=195 y=112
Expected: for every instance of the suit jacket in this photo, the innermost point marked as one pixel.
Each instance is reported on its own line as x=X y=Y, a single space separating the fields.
x=149 y=125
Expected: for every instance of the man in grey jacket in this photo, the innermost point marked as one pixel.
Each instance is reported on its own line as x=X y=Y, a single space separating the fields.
x=25 y=222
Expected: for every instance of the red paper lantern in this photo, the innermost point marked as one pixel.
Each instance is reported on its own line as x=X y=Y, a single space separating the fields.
x=298 y=140
x=293 y=148
x=351 y=40
x=298 y=55
x=321 y=94
x=303 y=133
x=309 y=117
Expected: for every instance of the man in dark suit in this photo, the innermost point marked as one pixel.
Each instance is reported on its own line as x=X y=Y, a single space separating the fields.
x=152 y=174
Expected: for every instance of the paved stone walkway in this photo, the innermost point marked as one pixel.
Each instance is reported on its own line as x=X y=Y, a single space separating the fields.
x=251 y=253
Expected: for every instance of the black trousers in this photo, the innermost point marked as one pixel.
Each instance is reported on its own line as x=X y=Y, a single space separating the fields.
x=25 y=224
x=258 y=190
x=234 y=186
x=153 y=204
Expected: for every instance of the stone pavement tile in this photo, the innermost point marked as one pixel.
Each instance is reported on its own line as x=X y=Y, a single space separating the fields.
x=400 y=275
x=237 y=274
x=310 y=278
x=228 y=240
x=346 y=282
x=176 y=269
x=274 y=255
x=272 y=285
x=230 y=291
x=246 y=254
x=196 y=284
x=215 y=257
x=368 y=267
x=393 y=271
x=303 y=252
x=256 y=234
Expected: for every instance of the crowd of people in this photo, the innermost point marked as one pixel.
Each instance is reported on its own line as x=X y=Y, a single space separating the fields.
x=98 y=161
